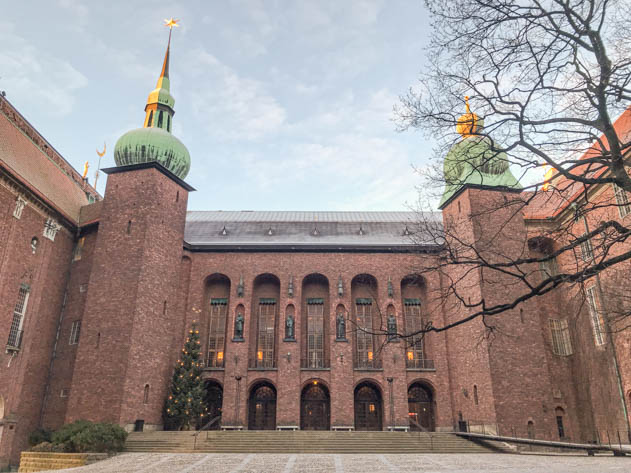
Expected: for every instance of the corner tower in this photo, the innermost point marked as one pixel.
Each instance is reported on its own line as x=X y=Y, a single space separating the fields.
x=482 y=219
x=131 y=321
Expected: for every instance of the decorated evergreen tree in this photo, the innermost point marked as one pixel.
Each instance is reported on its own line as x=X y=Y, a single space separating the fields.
x=185 y=407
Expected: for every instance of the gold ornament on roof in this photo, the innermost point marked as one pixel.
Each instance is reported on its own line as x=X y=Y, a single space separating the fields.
x=171 y=23
x=468 y=124
x=547 y=178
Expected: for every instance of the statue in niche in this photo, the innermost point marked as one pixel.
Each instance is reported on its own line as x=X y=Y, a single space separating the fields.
x=341 y=326
x=289 y=327
x=238 y=327
x=392 y=327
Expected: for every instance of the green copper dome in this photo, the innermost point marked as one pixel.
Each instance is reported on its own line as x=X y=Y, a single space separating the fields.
x=475 y=160
x=155 y=142
x=145 y=145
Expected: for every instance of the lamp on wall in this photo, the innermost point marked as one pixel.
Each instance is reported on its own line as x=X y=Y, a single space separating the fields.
x=288 y=356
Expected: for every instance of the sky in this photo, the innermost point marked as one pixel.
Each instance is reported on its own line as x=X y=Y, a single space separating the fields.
x=283 y=105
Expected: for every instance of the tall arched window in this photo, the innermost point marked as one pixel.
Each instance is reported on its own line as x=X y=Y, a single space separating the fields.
x=145 y=399
x=218 y=292
x=160 y=119
x=363 y=292
x=150 y=119
x=412 y=292
x=217 y=332
x=315 y=311
x=168 y=123
x=265 y=296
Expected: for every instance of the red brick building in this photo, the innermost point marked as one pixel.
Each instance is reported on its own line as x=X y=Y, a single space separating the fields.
x=294 y=308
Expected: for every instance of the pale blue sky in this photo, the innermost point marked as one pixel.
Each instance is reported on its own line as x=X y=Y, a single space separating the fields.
x=283 y=105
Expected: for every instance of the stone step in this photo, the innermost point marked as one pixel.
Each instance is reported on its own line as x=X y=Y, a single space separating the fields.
x=300 y=442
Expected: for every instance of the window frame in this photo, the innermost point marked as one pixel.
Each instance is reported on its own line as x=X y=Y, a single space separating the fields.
x=19 y=314
x=598 y=324
x=75 y=332
x=622 y=200
x=560 y=337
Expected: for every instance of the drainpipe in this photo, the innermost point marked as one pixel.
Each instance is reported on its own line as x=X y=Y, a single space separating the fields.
x=391 y=404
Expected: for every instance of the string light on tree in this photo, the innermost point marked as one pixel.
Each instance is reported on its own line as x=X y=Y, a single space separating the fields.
x=185 y=406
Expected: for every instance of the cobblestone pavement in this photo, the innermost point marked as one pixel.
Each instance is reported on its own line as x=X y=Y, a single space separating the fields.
x=302 y=463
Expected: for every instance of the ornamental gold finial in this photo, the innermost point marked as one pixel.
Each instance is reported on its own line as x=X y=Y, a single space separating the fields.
x=85 y=169
x=547 y=178
x=468 y=124
x=171 y=23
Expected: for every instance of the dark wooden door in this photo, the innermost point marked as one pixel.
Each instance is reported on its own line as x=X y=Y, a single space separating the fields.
x=315 y=409
x=262 y=409
x=368 y=409
x=420 y=408
x=214 y=401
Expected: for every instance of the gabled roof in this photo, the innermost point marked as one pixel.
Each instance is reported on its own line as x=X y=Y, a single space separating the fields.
x=564 y=191
x=243 y=230
x=26 y=155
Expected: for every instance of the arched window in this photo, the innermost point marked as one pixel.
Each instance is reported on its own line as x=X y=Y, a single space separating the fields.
x=217 y=331
x=315 y=290
x=160 y=119
x=412 y=292
x=150 y=120
x=145 y=399
x=475 y=394
x=559 y=413
x=363 y=290
x=168 y=123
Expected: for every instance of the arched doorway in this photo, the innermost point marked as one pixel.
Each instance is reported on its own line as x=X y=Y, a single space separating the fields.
x=262 y=407
x=315 y=407
x=368 y=415
x=421 y=407
x=214 y=402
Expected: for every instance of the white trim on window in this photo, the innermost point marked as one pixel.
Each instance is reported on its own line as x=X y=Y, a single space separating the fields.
x=561 y=341
x=595 y=316
x=622 y=199
x=587 y=251
x=75 y=332
x=15 y=332
x=20 y=203
x=51 y=227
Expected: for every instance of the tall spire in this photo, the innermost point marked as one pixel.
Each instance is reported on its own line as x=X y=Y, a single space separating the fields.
x=159 y=109
x=154 y=142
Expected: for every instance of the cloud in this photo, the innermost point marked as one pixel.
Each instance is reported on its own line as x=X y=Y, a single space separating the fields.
x=43 y=79
x=234 y=107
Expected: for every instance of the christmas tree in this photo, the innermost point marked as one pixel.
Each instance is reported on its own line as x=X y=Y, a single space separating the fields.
x=185 y=407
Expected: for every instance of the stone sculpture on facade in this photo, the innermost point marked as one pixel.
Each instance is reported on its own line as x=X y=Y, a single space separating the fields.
x=289 y=328
x=341 y=327
x=392 y=327
x=238 y=327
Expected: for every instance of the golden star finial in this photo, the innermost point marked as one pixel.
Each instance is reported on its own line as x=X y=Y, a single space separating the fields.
x=171 y=23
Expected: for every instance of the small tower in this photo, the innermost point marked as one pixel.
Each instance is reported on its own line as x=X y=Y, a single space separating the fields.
x=132 y=316
x=482 y=218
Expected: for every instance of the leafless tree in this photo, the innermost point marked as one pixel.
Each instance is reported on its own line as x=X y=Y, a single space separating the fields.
x=548 y=78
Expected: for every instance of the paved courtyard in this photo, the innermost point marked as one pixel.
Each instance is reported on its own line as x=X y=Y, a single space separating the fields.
x=302 y=463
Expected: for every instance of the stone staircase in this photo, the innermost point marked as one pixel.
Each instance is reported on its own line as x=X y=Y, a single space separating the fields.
x=301 y=442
